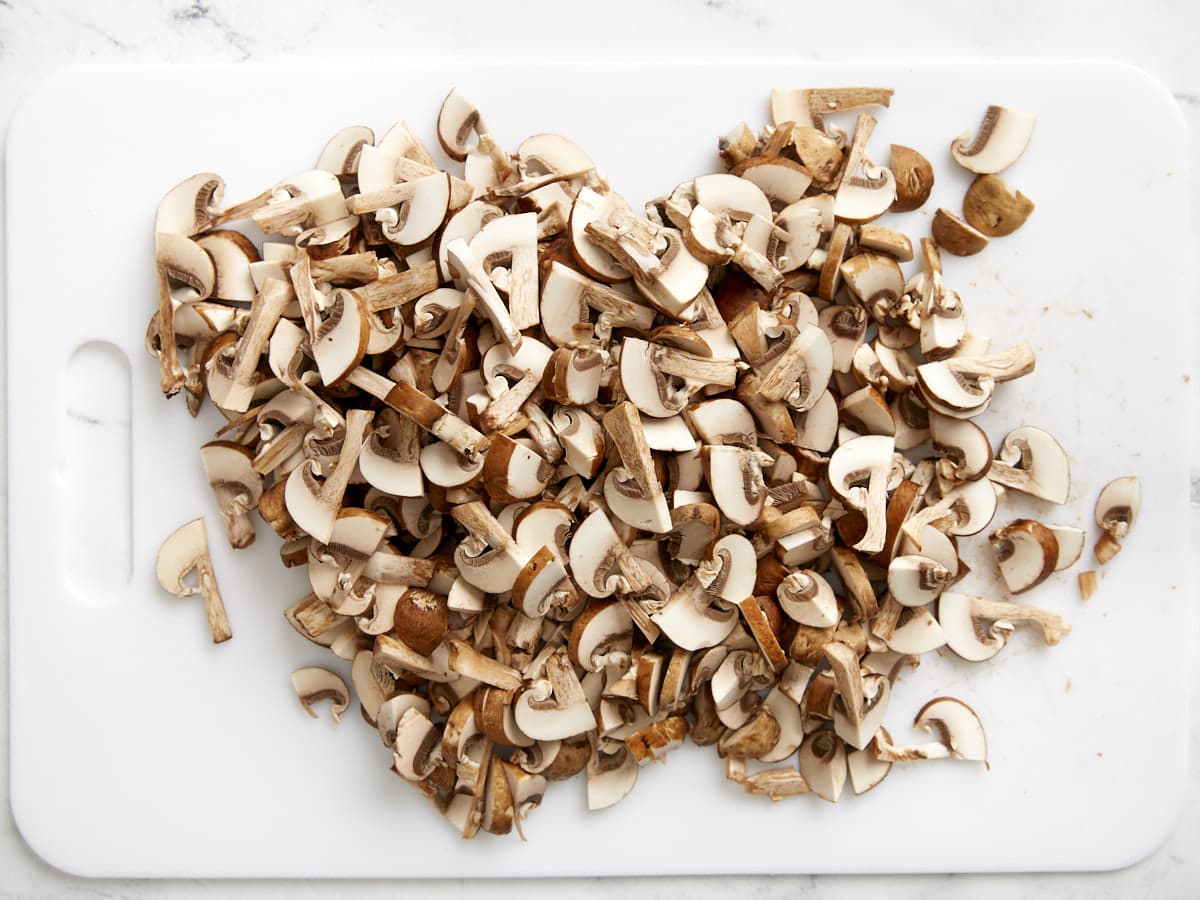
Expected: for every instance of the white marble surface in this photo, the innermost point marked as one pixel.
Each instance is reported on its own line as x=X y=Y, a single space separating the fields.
x=38 y=36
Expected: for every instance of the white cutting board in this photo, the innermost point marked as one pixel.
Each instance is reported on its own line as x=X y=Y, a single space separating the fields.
x=140 y=749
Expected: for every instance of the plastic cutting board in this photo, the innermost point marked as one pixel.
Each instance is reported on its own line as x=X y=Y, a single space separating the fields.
x=140 y=749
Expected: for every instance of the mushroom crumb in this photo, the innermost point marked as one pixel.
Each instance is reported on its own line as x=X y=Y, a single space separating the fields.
x=1087 y=584
x=574 y=482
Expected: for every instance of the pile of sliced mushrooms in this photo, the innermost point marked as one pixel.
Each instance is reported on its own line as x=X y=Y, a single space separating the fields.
x=575 y=483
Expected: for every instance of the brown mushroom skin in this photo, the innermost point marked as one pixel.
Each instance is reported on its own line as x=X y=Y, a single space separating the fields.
x=421 y=620
x=993 y=208
x=955 y=236
x=914 y=178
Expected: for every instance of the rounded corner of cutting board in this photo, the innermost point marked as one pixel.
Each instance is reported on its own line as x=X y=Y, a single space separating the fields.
x=42 y=837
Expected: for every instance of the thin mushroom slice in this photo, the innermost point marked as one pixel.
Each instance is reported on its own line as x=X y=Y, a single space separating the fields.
x=1117 y=508
x=610 y=777
x=977 y=629
x=1030 y=460
x=956 y=726
x=865 y=769
x=1002 y=137
x=918 y=580
x=1070 y=545
x=823 y=764
x=313 y=684
x=184 y=551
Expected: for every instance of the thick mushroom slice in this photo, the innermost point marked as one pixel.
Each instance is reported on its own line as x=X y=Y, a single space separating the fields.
x=633 y=492
x=313 y=684
x=977 y=629
x=1030 y=460
x=963 y=446
x=858 y=473
x=186 y=550
x=1027 y=553
x=914 y=178
x=1001 y=139
x=600 y=562
x=916 y=632
x=865 y=769
x=991 y=207
x=313 y=501
x=735 y=478
x=1117 y=508
x=955 y=236
x=806 y=597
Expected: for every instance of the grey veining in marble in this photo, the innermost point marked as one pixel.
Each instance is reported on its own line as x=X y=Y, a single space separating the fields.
x=38 y=36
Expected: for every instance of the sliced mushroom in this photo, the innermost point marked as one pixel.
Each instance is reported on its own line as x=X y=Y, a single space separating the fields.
x=1070 y=545
x=918 y=580
x=858 y=474
x=977 y=629
x=993 y=208
x=554 y=708
x=807 y=598
x=1002 y=137
x=735 y=477
x=229 y=468
x=314 y=684
x=955 y=236
x=914 y=178
x=184 y=551
x=957 y=727
x=1030 y=460
x=610 y=777
x=1027 y=553
x=823 y=764
x=1117 y=508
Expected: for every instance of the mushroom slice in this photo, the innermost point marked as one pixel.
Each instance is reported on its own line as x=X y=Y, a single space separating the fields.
x=415 y=748
x=807 y=107
x=313 y=684
x=1030 y=460
x=511 y=471
x=801 y=373
x=977 y=629
x=917 y=580
x=993 y=208
x=866 y=190
x=690 y=619
x=914 y=178
x=894 y=243
x=600 y=561
x=488 y=558
x=782 y=180
x=671 y=434
x=807 y=598
x=603 y=629
x=955 y=236
x=573 y=375
x=507 y=250
x=817 y=429
x=186 y=550
x=865 y=769
x=1070 y=545
x=858 y=473
x=757 y=736
x=610 y=777
x=1027 y=553
x=845 y=326
x=786 y=713
x=735 y=477
x=582 y=440
x=723 y=421
x=823 y=764
x=457 y=119
x=873 y=278
x=590 y=207
x=1001 y=139
x=963 y=386
x=470 y=663
x=633 y=492
x=470 y=268
x=957 y=727
x=654 y=392
x=740 y=199
x=802 y=223
x=555 y=707
x=916 y=632
x=963 y=446
x=866 y=412
x=390 y=458
x=443 y=467
x=229 y=468
x=656 y=740
x=1117 y=508
x=313 y=502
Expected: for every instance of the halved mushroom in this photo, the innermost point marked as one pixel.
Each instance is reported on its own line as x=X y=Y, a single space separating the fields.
x=1001 y=139
x=314 y=684
x=229 y=468
x=1030 y=460
x=977 y=629
x=184 y=551
x=1027 y=553
x=1117 y=508
x=511 y=471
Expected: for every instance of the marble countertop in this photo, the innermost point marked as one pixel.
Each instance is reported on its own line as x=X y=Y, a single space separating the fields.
x=39 y=36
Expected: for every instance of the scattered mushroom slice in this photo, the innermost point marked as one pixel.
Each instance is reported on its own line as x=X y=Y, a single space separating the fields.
x=610 y=777
x=1070 y=545
x=1001 y=139
x=564 y=716
x=1030 y=460
x=977 y=629
x=1027 y=553
x=823 y=764
x=914 y=178
x=866 y=190
x=991 y=207
x=313 y=684
x=955 y=236
x=238 y=488
x=1117 y=508
x=957 y=728
x=186 y=550
x=735 y=477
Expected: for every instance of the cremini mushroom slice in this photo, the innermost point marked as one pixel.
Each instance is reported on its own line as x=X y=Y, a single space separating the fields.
x=991 y=207
x=962 y=387
x=1027 y=553
x=610 y=777
x=885 y=240
x=866 y=770
x=977 y=629
x=185 y=551
x=914 y=178
x=957 y=728
x=554 y=707
x=964 y=448
x=314 y=684
x=735 y=478
x=229 y=468
x=1070 y=545
x=955 y=236
x=1030 y=460
x=858 y=474
x=918 y=580
x=1117 y=508
x=916 y=632
x=806 y=597
x=866 y=190
x=1002 y=137
x=823 y=764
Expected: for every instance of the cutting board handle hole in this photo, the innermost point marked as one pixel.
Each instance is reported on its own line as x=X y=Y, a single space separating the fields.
x=95 y=483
